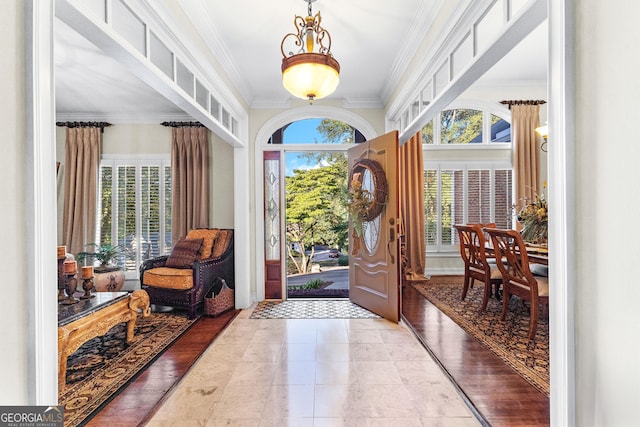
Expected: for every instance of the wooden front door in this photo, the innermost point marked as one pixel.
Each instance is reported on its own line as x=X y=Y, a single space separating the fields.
x=374 y=264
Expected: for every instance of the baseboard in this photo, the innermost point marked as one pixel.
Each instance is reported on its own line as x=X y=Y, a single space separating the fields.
x=444 y=272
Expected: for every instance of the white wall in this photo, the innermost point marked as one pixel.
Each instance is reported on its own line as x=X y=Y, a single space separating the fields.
x=607 y=175
x=13 y=338
x=221 y=186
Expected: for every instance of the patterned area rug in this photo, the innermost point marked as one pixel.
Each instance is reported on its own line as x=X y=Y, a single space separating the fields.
x=103 y=365
x=508 y=340
x=311 y=309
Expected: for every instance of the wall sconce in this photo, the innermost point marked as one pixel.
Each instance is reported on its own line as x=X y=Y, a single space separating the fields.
x=543 y=131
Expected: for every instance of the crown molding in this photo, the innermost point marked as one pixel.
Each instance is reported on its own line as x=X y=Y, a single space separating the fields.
x=449 y=35
x=419 y=27
x=362 y=103
x=346 y=103
x=271 y=104
x=198 y=13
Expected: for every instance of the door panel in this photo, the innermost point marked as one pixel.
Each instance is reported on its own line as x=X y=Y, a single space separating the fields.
x=272 y=226
x=374 y=270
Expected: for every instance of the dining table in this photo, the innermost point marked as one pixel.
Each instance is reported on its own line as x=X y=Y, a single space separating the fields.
x=537 y=254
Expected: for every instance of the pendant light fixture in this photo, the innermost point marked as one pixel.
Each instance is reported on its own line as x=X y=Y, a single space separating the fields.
x=309 y=70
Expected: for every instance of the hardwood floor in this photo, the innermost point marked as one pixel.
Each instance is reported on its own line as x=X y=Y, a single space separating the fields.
x=140 y=399
x=498 y=394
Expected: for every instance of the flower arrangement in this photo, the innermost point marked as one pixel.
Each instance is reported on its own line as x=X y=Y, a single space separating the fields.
x=534 y=218
x=358 y=203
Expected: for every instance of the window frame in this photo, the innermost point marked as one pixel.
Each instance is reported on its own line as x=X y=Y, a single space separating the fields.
x=488 y=110
x=138 y=161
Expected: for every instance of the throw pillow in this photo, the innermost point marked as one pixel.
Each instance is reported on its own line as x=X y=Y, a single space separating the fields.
x=184 y=253
x=209 y=236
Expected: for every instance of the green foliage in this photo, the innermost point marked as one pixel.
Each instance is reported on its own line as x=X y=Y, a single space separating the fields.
x=316 y=198
x=343 y=260
x=427 y=133
x=105 y=254
x=313 y=284
x=336 y=132
x=310 y=203
x=460 y=126
x=456 y=126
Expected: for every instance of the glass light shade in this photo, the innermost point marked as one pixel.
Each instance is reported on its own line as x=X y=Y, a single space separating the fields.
x=310 y=75
x=543 y=131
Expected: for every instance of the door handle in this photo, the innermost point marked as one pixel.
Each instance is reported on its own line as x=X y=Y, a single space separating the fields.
x=392 y=238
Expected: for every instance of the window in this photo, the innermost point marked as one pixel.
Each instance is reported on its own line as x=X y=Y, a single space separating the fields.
x=466 y=126
x=461 y=126
x=317 y=131
x=468 y=173
x=134 y=208
x=458 y=193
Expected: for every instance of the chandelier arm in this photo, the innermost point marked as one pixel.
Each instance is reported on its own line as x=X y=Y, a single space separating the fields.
x=320 y=41
x=300 y=25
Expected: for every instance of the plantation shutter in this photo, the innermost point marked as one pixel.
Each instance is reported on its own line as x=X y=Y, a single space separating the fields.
x=167 y=198
x=126 y=212
x=431 y=206
x=105 y=204
x=460 y=196
x=503 y=198
x=135 y=209
x=479 y=196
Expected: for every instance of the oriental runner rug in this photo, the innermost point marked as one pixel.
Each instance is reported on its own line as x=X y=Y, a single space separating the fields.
x=104 y=365
x=508 y=340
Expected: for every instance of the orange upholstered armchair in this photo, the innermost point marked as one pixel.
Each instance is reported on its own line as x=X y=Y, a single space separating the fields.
x=182 y=279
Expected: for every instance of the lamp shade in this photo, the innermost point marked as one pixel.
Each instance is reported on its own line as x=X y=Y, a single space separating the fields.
x=543 y=131
x=310 y=75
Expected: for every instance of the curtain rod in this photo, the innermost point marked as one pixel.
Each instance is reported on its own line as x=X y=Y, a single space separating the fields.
x=182 y=124
x=100 y=125
x=525 y=102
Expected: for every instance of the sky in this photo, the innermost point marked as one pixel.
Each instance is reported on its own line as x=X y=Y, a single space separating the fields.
x=300 y=132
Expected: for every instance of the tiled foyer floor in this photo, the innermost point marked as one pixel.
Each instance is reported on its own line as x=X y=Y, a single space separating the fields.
x=314 y=373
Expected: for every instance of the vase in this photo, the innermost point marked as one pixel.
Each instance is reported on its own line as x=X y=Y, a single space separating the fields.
x=535 y=233
x=108 y=279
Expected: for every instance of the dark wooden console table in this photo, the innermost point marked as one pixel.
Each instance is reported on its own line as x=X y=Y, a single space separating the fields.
x=89 y=318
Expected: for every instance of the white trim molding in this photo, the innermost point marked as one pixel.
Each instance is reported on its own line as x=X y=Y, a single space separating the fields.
x=562 y=272
x=41 y=197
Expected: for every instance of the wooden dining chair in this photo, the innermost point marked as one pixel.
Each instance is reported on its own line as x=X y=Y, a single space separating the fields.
x=476 y=262
x=517 y=279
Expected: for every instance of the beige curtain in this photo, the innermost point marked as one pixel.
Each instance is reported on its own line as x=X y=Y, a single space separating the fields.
x=526 y=153
x=412 y=207
x=82 y=160
x=190 y=179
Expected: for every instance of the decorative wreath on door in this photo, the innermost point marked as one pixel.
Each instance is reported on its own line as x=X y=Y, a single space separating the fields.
x=368 y=204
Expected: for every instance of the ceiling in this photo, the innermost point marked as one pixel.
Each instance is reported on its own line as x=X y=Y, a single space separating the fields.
x=371 y=40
